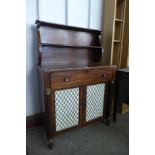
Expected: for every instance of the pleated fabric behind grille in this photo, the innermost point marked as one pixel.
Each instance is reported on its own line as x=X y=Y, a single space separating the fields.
x=67 y=108
x=94 y=101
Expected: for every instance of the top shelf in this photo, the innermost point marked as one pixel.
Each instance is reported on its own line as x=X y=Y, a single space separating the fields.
x=66 y=27
x=69 y=46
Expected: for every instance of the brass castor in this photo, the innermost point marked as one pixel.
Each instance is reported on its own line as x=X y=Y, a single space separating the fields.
x=50 y=144
x=108 y=121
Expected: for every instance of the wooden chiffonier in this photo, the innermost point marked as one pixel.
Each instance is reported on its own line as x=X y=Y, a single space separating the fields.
x=74 y=84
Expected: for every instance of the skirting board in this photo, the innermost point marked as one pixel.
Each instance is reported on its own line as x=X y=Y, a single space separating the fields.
x=35 y=120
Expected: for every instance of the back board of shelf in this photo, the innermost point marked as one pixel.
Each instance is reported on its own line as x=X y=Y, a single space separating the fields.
x=64 y=45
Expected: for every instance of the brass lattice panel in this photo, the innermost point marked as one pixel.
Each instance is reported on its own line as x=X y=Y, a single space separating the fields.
x=94 y=101
x=67 y=108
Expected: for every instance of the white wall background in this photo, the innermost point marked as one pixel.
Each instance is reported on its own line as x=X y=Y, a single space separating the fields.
x=83 y=13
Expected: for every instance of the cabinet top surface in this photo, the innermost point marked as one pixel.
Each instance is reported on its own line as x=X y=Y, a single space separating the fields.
x=57 y=67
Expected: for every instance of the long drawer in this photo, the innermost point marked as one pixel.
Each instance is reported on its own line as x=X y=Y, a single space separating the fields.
x=66 y=79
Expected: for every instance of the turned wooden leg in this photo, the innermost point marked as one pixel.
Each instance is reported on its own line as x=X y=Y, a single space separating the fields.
x=108 y=95
x=108 y=120
x=49 y=133
x=116 y=100
x=49 y=119
x=50 y=139
x=109 y=103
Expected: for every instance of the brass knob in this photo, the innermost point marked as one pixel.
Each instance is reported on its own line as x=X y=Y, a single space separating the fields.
x=66 y=79
x=47 y=91
x=104 y=75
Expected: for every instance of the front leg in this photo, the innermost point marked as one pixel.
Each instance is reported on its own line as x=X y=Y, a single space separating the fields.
x=49 y=122
x=109 y=102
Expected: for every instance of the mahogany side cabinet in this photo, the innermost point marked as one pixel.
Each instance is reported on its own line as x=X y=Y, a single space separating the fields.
x=74 y=84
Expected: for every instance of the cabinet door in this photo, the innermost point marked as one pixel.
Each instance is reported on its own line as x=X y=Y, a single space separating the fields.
x=67 y=108
x=94 y=101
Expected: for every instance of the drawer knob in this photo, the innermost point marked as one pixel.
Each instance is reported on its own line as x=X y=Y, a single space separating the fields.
x=66 y=79
x=104 y=75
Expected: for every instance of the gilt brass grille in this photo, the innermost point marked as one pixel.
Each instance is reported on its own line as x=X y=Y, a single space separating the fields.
x=67 y=108
x=95 y=101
